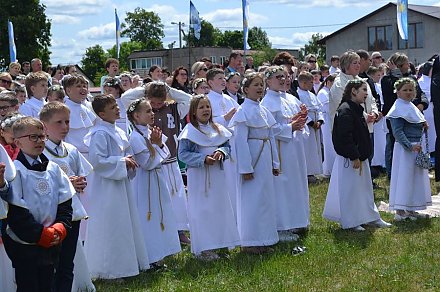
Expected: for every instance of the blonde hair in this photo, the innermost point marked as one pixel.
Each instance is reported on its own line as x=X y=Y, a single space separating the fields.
x=25 y=123
x=32 y=79
x=51 y=108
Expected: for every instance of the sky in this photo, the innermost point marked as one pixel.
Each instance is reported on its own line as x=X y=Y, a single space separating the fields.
x=79 y=24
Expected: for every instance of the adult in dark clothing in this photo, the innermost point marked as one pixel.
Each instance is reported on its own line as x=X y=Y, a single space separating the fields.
x=181 y=80
x=435 y=98
x=399 y=67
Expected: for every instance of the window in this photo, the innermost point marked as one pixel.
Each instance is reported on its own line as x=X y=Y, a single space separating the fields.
x=380 y=38
x=222 y=60
x=213 y=59
x=416 y=37
x=146 y=63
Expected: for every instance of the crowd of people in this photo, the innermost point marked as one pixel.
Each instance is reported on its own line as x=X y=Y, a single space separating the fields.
x=212 y=156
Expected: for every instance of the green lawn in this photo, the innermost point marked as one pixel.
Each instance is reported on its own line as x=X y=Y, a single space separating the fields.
x=402 y=258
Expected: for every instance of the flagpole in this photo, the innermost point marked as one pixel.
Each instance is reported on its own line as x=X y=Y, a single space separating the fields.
x=189 y=39
x=117 y=31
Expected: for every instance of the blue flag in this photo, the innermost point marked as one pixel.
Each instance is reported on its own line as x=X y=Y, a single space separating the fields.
x=12 y=48
x=118 y=34
x=402 y=18
x=194 y=20
x=245 y=24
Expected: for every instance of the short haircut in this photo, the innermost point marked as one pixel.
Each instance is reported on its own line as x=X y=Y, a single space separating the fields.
x=51 y=108
x=18 y=87
x=213 y=72
x=372 y=70
x=58 y=90
x=305 y=76
x=156 y=90
x=32 y=79
x=334 y=58
x=25 y=63
x=314 y=72
x=14 y=64
x=347 y=58
x=101 y=101
x=9 y=96
x=363 y=54
x=25 y=123
x=235 y=55
x=324 y=68
x=72 y=80
x=110 y=61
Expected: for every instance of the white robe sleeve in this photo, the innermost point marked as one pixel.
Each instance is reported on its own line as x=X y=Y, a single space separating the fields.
x=104 y=164
x=131 y=95
x=282 y=131
x=275 y=157
x=182 y=99
x=65 y=187
x=244 y=160
x=143 y=156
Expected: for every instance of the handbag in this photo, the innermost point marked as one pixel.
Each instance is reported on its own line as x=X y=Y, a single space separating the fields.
x=423 y=159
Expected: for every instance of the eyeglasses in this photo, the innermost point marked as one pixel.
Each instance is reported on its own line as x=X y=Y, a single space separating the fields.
x=35 y=137
x=378 y=57
x=204 y=69
x=312 y=61
x=6 y=81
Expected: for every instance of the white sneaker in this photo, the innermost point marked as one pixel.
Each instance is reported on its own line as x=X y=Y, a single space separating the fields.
x=398 y=217
x=358 y=228
x=287 y=236
x=381 y=224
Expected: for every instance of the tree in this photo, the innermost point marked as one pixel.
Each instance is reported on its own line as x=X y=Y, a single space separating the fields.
x=232 y=39
x=93 y=62
x=31 y=30
x=257 y=39
x=126 y=49
x=312 y=47
x=209 y=36
x=265 y=55
x=144 y=27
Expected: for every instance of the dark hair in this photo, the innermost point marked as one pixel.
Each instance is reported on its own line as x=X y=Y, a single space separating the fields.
x=67 y=68
x=71 y=80
x=334 y=58
x=194 y=104
x=352 y=84
x=372 y=70
x=329 y=78
x=363 y=54
x=55 y=69
x=248 y=78
x=152 y=68
x=176 y=72
x=101 y=101
x=115 y=83
x=324 y=68
x=110 y=61
x=157 y=90
x=235 y=55
x=305 y=76
x=212 y=72
x=283 y=58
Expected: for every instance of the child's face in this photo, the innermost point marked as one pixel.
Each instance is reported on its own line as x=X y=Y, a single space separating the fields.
x=203 y=113
x=203 y=88
x=233 y=84
x=113 y=69
x=5 y=108
x=40 y=89
x=218 y=83
x=112 y=90
x=21 y=96
x=156 y=102
x=306 y=84
x=144 y=115
x=317 y=78
x=325 y=73
x=77 y=92
x=277 y=81
x=126 y=83
x=359 y=95
x=407 y=92
x=57 y=127
x=8 y=135
x=157 y=74
x=31 y=141
x=376 y=77
x=54 y=97
x=110 y=113
x=255 y=91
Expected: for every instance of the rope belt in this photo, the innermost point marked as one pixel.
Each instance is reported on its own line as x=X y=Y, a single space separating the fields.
x=162 y=226
x=207 y=180
x=262 y=148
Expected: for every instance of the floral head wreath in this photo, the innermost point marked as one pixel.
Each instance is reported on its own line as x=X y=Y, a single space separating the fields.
x=232 y=74
x=356 y=81
x=269 y=72
x=403 y=81
x=133 y=106
x=8 y=122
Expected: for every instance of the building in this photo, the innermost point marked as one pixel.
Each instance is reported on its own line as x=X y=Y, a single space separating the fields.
x=378 y=31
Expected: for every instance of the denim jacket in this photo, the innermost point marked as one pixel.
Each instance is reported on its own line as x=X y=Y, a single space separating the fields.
x=406 y=133
x=188 y=152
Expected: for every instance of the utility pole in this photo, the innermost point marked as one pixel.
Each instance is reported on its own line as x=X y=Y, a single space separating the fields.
x=181 y=24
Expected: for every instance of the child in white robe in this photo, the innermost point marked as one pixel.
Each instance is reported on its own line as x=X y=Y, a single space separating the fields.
x=7 y=282
x=36 y=87
x=203 y=146
x=155 y=209
x=114 y=245
x=72 y=272
x=316 y=119
x=257 y=160
x=292 y=206
x=410 y=189
x=350 y=198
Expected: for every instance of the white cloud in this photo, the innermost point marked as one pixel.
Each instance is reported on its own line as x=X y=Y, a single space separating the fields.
x=64 y=19
x=75 y=7
x=296 y=41
x=327 y=3
x=232 y=18
x=102 y=32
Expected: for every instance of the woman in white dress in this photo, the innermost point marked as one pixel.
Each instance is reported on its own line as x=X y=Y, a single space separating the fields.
x=257 y=161
x=203 y=147
x=350 y=199
x=409 y=187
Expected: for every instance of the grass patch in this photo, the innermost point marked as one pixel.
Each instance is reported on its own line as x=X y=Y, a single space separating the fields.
x=401 y=258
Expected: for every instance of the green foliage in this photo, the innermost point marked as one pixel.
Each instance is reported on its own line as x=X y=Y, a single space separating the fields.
x=257 y=39
x=126 y=49
x=232 y=39
x=31 y=30
x=312 y=47
x=144 y=27
x=265 y=55
x=209 y=36
x=93 y=63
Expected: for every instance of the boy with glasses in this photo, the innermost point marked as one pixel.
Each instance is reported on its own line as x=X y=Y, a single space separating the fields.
x=8 y=103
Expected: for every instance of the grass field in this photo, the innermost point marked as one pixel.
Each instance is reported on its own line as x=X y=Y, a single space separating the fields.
x=402 y=258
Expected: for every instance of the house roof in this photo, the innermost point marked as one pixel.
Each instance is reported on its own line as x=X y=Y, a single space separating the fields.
x=432 y=11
